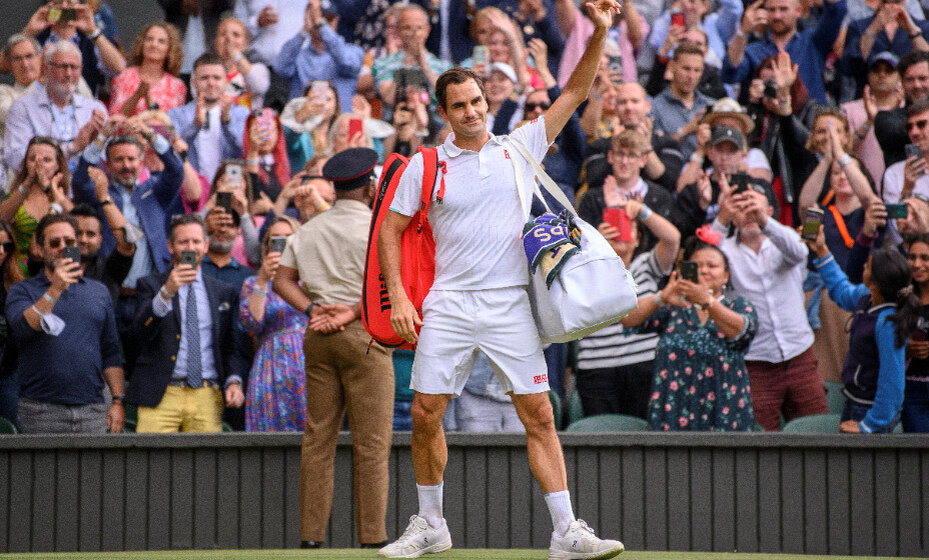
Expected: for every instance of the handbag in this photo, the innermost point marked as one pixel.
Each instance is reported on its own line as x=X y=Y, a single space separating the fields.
x=590 y=288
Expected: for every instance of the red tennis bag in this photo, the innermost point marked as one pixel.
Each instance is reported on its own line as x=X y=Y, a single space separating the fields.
x=417 y=250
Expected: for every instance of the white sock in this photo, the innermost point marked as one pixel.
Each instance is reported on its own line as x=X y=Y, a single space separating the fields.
x=559 y=506
x=430 y=504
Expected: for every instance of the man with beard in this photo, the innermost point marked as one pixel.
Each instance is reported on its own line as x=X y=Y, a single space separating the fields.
x=55 y=110
x=65 y=332
x=146 y=206
x=222 y=230
x=778 y=19
x=211 y=125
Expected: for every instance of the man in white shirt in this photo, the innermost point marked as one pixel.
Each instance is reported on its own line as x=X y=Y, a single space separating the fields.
x=478 y=301
x=767 y=262
x=55 y=110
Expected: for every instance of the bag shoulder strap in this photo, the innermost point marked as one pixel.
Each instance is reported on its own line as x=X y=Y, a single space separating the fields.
x=431 y=166
x=547 y=182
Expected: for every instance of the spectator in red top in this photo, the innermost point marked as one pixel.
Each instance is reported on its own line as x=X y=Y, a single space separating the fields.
x=156 y=61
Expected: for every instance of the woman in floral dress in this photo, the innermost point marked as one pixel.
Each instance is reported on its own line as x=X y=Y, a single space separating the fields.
x=700 y=378
x=276 y=399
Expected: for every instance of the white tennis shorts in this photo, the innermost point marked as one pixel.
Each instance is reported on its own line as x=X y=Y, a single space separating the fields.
x=498 y=322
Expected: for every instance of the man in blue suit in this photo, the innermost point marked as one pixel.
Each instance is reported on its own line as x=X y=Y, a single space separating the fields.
x=211 y=125
x=147 y=207
x=188 y=360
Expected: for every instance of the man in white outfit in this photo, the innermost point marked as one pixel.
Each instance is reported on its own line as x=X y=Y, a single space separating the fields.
x=479 y=299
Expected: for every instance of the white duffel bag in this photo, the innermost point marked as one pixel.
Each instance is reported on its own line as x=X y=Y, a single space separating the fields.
x=593 y=288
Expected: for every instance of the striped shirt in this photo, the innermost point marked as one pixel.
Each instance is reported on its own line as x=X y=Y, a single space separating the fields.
x=611 y=347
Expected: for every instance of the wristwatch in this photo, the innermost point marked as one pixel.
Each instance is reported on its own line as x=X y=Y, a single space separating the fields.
x=706 y=306
x=118 y=398
x=97 y=32
x=309 y=308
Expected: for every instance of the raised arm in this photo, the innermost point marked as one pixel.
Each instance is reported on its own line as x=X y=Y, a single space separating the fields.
x=578 y=86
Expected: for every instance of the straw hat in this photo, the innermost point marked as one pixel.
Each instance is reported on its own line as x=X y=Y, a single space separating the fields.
x=728 y=107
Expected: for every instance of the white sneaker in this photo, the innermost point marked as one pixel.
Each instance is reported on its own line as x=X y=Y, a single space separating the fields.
x=580 y=542
x=418 y=539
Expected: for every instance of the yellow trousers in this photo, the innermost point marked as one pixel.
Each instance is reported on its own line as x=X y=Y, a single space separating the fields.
x=183 y=409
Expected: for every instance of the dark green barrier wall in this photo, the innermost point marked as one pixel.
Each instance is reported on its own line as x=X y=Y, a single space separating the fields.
x=796 y=493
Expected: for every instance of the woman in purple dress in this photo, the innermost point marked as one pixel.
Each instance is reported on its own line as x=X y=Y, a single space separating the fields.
x=276 y=399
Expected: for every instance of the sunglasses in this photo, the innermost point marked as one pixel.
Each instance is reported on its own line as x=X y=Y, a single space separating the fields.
x=58 y=241
x=916 y=124
x=533 y=106
x=7 y=247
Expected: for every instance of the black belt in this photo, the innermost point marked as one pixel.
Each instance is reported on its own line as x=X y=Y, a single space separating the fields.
x=183 y=383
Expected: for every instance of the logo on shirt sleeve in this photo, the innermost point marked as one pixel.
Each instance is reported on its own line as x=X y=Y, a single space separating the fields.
x=539 y=379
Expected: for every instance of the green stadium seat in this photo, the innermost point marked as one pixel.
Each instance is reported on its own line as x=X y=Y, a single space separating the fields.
x=7 y=427
x=608 y=423
x=815 y=423
x=834 y=397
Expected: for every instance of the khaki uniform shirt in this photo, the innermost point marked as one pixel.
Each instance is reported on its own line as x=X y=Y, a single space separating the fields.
x=329 y=253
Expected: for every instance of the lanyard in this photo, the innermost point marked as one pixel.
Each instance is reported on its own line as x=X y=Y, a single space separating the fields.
x=840 y=224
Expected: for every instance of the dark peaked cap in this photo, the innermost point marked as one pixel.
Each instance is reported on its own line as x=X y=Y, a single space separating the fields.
x=351 y=168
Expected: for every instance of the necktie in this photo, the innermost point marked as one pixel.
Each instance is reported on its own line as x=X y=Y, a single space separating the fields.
x=192 y=326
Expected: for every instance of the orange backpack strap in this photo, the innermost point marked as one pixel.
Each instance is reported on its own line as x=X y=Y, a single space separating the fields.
x=430 y=168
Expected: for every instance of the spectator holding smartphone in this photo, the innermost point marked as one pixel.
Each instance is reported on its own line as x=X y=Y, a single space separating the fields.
x=276 y=398
x=232 y=193
x=615 y=368
x=886 y=312
x=265 y=158
x=627 y=157
x=768 y=264
x=701 y=380
x=909 y=176
x=710 y=83
x=73 y=21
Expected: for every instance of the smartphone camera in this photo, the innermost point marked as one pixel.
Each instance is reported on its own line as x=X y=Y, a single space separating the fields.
x=689 y=271
x=189 y=257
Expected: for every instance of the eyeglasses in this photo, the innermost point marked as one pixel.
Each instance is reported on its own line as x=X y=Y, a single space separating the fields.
x=7 y=247
x=626 y=155
x=910 y=125
x=917 y=196
x=57 y=242
x=533 y=106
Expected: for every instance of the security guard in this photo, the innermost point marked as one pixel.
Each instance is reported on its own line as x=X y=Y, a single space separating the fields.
x=327 y=257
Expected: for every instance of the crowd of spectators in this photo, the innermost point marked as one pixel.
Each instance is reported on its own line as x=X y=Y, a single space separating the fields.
x=161 y=174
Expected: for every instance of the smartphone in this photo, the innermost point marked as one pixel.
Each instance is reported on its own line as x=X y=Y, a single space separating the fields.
x=72 y=252
x=479 y=55
x=912 y=150
x=233 y=175
x=689 y=271
x=739 y=181
x=354 y=127
x=614 y=67
x=278 y=244
x=68 y=14
x=811 y=223
x=319 y=89
x=189 y=257
x=265 y=124
x=224 y=201
x=677 y=19
x=618 y=218
x=897 y=211
x=410 y=76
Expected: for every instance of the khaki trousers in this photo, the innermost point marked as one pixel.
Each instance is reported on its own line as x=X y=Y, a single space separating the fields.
x=342 y=374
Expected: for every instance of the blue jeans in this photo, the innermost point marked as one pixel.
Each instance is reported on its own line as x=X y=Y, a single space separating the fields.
x=857 y=411
x=813 y=282
x=403 y=422
x=916 y=407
